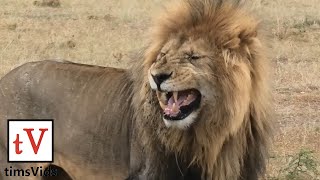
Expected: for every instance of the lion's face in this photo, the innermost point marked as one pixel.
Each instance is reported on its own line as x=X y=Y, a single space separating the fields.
x=184 y=80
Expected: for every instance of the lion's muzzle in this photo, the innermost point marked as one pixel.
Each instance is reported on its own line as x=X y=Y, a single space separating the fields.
x=177 y=105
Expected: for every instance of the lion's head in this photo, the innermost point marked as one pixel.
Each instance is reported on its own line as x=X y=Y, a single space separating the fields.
x=201 y=59
x=206 y=76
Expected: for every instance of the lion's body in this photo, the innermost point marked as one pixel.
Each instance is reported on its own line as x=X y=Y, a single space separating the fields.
x=91 y=128
x=110 y=120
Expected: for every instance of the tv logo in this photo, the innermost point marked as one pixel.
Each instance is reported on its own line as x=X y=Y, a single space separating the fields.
x=30 y=140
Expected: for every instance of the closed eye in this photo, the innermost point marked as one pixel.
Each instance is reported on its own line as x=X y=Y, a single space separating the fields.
x=192 y=56
x=195 y=57
x=160 y=55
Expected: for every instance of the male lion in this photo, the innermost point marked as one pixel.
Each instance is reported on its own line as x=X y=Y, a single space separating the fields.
x=196 y=106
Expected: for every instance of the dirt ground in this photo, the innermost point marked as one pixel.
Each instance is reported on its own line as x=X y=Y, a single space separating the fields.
x=106 y=32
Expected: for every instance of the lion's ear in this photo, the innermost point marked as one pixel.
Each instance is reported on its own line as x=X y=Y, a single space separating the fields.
x=240 y=44
x=240 y=38
x=246 y=36
x=248 y=39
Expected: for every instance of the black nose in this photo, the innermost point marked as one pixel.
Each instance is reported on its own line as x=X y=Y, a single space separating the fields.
x=160 y=78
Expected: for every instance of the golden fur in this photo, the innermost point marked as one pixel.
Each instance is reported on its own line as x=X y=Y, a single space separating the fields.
x=109 y=120
x=233 y=136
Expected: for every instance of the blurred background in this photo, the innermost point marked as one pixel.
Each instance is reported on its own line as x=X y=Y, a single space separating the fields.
x=106 y=32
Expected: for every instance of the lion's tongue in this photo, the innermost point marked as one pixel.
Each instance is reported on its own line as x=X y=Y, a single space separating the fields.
x=175 y=102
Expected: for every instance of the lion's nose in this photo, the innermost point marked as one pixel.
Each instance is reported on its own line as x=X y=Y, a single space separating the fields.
x=160 y=78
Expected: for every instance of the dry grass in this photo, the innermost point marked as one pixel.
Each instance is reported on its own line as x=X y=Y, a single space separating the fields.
x=104 y=32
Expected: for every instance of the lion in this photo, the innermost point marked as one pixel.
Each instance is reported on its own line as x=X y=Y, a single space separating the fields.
x=196 y=104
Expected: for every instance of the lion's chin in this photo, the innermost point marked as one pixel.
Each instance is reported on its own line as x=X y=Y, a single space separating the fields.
x=181 y=124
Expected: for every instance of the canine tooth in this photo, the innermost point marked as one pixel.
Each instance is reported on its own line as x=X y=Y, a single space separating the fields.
x=158 y=94
x=175 y=108
x=175 y=96
x=162 y=105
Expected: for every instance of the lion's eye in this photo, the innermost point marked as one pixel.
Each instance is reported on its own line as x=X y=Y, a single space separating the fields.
x=195 y=57
x=160 y=55
x=192 y=56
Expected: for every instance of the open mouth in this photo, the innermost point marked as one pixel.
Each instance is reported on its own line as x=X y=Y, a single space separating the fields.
x=178 y=105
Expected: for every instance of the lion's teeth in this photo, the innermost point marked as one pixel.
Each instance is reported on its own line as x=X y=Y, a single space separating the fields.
x=163 y=106
x=175 y=96
x=175 y=107
x=189 y=98
x=158 y=94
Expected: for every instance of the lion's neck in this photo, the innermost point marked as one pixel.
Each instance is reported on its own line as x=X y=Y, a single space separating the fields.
x=208 y=144
x=209 y=148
